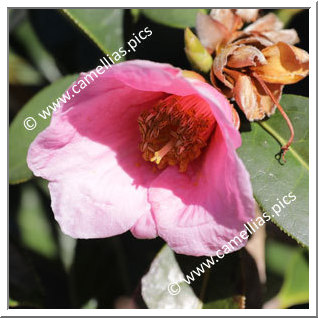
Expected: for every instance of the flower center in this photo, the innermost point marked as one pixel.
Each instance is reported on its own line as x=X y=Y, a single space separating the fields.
x=175 y=130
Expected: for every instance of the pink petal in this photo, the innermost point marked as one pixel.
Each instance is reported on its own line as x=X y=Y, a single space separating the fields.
x=145 y=227
x=227 y=18
x=100 y=186
x=90 y=155
x=210 y=203
x=268 y=22
x=210 y=31
x=289 y=36
x=248 y=15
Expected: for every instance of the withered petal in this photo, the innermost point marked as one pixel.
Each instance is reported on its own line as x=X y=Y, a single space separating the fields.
x=289 y=36
x=246 y=56
x=248 y=15
x=210 y=32
x=227 y=18
x=220 y=86
x=220 y=61
x=265 y=102
x=246 y=96
x=268 y=22
x=286 y=64
x=257 y=40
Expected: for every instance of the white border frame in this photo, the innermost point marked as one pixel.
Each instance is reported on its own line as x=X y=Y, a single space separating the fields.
x=157 y=312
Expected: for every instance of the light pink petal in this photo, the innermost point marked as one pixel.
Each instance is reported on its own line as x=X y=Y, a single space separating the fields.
x=211 y=202
x=145 y=227
x=155 y=77
x=248 y=15
x=288 y=36
x=210 y=32
x=227 y=18
x=268 y=22
x=90 y=155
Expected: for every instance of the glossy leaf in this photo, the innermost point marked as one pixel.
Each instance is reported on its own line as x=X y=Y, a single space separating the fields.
x=177 y=18
x=103 y=26
x=35 y=50
x=272 y=180
x=20 y=138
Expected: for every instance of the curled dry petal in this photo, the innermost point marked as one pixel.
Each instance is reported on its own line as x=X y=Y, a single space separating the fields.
x=269 y=22
x=220 y=86
x=210 y=31
x=245 y=95
x=253 y=100
x=248 y=15
x=289 y=36
x=245 y=56
x=286 y=64
x=265 y=102
x=258 y=41
x=220 y=61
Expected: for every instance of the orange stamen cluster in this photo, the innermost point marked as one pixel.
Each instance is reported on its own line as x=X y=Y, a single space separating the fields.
x=174 y=131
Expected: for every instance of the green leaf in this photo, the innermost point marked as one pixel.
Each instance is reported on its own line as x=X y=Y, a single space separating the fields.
x=13 y=303
x=40 y=57
x=36 y=233
x=20 y=138
x=295 y=289
x=286 y=15
x=67 y=249
x=177 y=18
x=103 y=26
x=227 y=303
x=278 y=256
x=271 y=180
x=135 y=14
x=91 y=304
x=21 y=72
x=292 y=264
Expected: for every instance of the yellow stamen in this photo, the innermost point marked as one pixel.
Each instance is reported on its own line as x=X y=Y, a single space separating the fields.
x=163 y=151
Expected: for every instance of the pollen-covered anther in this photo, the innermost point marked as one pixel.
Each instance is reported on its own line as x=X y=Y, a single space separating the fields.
x=175 y=130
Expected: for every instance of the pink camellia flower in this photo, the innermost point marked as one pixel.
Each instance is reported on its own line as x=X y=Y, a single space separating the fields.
x=146 y=149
